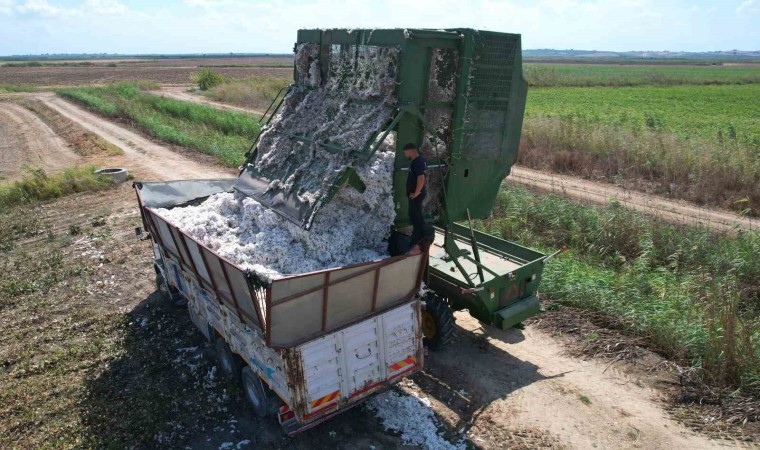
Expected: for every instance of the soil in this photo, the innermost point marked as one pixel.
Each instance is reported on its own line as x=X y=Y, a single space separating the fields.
x=499 y=389
x=27 y=140
x=165 y=74
x=601 y=193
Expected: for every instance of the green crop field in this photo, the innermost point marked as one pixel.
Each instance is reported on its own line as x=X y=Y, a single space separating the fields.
x=227 y=135
x=584 y=75
x=715 y=113
x=699 y=143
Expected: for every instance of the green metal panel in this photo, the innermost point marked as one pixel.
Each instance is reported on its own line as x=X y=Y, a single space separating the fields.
x=483 y=132
x=515 y=313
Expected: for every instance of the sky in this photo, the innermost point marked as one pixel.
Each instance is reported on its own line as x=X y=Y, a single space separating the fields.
x=254 y=26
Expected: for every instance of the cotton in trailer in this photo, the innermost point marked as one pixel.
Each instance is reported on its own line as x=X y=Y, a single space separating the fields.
x=305 y=346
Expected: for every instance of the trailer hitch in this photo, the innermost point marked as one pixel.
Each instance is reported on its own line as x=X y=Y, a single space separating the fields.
x=548 y=257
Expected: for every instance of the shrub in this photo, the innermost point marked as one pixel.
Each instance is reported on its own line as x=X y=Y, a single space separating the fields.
x=207 y=78
x=41 y=186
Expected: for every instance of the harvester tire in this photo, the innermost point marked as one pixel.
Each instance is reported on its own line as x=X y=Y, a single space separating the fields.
x=437 y=323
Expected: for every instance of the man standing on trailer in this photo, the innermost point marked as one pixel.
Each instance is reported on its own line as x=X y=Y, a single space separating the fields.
x=416 y=191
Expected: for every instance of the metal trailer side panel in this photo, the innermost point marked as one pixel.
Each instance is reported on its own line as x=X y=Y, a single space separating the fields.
x=344 y=367
x=243 y=340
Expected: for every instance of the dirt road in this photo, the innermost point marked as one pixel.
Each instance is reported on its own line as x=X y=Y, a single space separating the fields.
x=180 y=93
x=521 y=380
x=151 y=161
x=571 y=187
x=26 y=140
x=601 y=193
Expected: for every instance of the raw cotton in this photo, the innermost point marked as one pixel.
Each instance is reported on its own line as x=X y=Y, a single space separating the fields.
x=349 y=229
x=323 y=125
x=413 y=418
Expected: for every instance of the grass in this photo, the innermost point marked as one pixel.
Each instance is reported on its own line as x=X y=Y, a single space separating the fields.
x=40 y=186
x=586 y=75
x=6 y=89
x=255 y=93
x=227 y=135
x=692 y=293
x=700 y=143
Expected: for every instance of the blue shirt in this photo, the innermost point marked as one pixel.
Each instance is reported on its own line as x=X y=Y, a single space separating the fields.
x=416 y=168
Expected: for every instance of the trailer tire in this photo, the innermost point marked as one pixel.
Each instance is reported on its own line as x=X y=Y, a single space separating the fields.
x=437 y=323
x=228 y=362
x=254 y=392
x=166 y=292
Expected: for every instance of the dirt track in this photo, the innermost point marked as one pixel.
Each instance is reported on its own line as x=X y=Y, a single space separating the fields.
x=492 y=384
x=522 y=379
x=149 y=160
x=26 y=140
x=601 y=193
x=575 y=188
x=180 y=93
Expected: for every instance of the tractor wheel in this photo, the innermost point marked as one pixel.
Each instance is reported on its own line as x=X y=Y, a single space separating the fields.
x=227 y=361
x=437 y=323
x=255 y=392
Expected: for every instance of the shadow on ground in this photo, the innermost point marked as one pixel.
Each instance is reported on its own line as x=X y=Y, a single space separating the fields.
x=163 y=389
x=470 y=375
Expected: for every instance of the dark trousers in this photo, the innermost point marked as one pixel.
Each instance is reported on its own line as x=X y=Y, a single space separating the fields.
x=419 y=227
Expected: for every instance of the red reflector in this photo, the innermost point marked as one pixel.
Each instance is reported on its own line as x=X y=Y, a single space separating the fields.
x=287 y=416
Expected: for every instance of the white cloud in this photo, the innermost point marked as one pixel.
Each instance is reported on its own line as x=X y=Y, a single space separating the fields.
x=748 y=7
x=6 y=7
x=105 y=7
x=41 y=8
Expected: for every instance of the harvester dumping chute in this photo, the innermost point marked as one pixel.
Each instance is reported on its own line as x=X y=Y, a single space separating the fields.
x=323 y=129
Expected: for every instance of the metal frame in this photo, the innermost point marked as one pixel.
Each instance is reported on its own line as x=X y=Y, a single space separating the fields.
x=376 y=267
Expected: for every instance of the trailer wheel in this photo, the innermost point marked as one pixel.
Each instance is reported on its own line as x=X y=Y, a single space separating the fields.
x=167 y=292
x=254 y=392
x=437 y=323
x=229 y=363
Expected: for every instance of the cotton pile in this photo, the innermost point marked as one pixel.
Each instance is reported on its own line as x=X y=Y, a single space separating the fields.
x=351 y=228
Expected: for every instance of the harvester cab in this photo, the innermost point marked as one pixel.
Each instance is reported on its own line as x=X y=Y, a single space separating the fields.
x=459 y=94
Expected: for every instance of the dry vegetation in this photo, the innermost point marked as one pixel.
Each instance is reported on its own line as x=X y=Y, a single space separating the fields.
x=254 y=93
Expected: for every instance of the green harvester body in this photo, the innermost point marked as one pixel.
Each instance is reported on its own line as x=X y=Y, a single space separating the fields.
x=460 y=96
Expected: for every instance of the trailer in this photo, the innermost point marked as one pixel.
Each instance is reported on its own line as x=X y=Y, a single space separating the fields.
x=305 y=347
